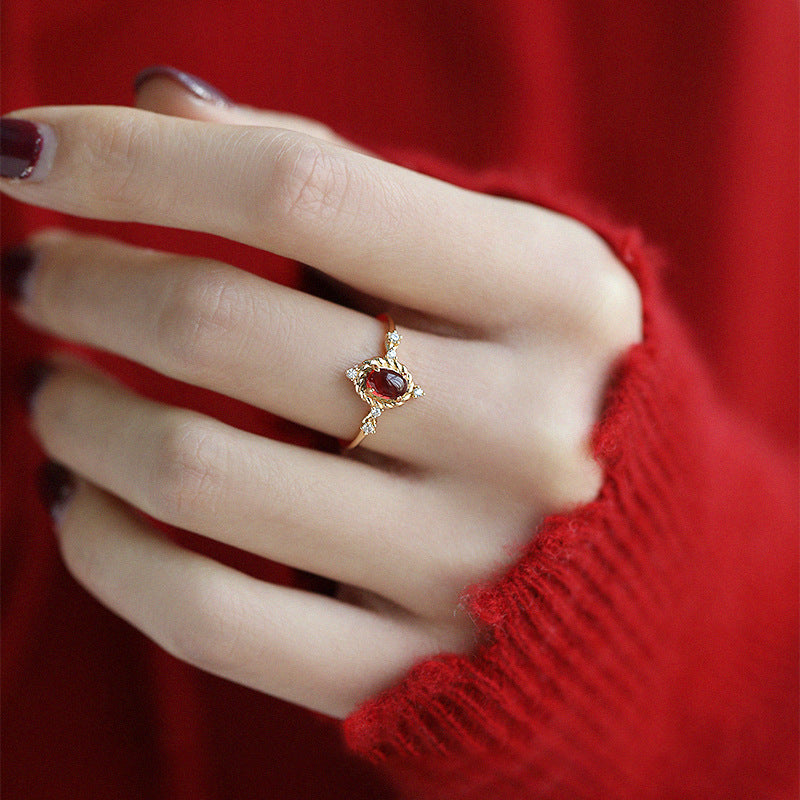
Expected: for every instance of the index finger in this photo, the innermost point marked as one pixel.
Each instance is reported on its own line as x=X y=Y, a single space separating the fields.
x=391 y=232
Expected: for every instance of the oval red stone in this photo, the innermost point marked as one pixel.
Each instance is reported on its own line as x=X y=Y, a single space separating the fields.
x=387 y=383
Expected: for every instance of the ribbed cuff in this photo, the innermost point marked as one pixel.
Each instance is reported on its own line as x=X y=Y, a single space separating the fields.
x=612 y=615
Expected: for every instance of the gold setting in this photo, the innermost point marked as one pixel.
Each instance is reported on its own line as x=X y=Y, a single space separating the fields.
x=359 y=374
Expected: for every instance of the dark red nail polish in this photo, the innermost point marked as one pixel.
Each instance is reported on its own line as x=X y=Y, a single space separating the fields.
x=15 y=266
x=31 y=379
x=20 y=147
x=196 y=86
x=56 y=487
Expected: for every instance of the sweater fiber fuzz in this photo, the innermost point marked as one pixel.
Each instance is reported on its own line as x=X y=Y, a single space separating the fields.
x=643 y=646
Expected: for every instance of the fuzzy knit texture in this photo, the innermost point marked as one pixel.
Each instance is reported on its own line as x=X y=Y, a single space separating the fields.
x=644 y=646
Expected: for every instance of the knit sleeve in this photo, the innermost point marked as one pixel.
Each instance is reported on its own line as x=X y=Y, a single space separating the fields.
x=644 y=645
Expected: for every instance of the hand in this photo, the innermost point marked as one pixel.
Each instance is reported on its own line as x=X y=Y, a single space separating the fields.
x=512 y=318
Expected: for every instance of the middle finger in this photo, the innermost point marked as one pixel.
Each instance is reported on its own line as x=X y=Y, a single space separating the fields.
x=388 y=231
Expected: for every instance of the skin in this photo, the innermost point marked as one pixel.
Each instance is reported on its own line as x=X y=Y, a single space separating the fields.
x=508 y=293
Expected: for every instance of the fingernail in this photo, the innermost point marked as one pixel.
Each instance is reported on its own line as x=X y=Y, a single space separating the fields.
x=16 y=266
x=26 y=149
x=196 y=86
x=31 y=379
x=56 y=488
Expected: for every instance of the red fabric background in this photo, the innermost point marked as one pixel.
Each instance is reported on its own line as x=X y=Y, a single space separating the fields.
x=678 y=117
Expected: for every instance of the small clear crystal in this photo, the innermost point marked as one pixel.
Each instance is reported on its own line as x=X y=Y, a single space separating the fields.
x=352 y=373
x=368 y=427
x=391 y=352
x=393 y=337
x=417 y=392
x=376 y=412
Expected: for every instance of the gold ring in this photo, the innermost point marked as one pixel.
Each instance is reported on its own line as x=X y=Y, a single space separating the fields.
x=382 y=382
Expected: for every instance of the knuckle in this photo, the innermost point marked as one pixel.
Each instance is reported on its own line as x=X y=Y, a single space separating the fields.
x=457 y=568
x=200 y=317
x=596 y=298
x=310 y=181
x=188 y=473
x=617 y=313
x=607 y=301
x=562 y=475
x=575 y=483
x=119 y=151
x=207 y=628
x=545 y=448
x=533 y=446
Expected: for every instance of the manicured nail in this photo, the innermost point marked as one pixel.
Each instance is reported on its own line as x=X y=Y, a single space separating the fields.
x=199 y=88
x=31 y=379
x=26 y=149
x=16 y=266
x=56 y=488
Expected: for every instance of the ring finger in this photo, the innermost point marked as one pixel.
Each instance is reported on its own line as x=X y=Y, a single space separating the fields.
x=215 y=326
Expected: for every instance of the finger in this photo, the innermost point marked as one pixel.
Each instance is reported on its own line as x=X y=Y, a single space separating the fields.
x=314 y=511
x=166 y=90
x=212 y=325
x=304 y=648
x=390 y=232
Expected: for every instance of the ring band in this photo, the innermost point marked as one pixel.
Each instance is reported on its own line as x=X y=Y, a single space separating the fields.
x=382 y=382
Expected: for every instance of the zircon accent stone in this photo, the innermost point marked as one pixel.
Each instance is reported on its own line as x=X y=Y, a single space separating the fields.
x=386 y=383
x=352 y=373
x=417 y=392
x=391 y=352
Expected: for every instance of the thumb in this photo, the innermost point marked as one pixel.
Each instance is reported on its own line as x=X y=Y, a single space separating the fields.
x=170 y=91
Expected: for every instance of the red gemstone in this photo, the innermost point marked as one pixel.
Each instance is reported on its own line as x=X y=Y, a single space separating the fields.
x=387 y=383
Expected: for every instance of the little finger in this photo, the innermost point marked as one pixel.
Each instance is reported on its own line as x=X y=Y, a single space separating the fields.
x=310 y=650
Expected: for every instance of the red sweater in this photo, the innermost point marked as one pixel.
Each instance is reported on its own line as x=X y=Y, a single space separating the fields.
x=643 y=646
